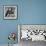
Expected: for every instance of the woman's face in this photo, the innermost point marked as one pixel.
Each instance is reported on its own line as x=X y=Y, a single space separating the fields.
x=9 y=9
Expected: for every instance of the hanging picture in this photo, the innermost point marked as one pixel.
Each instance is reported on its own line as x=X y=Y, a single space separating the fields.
x=10 y=12
x=32 y=32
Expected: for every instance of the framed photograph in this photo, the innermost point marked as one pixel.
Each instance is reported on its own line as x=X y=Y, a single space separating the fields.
x=10 y=12
x=31 y=32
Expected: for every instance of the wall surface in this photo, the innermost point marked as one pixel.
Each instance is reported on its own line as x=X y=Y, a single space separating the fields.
x=29 y=12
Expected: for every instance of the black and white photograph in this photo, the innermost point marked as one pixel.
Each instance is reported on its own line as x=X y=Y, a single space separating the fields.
x=31 y=34
x=10 y=12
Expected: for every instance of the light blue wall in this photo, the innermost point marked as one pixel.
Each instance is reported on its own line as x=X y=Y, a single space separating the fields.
x=33 y=12
x=29 y=12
